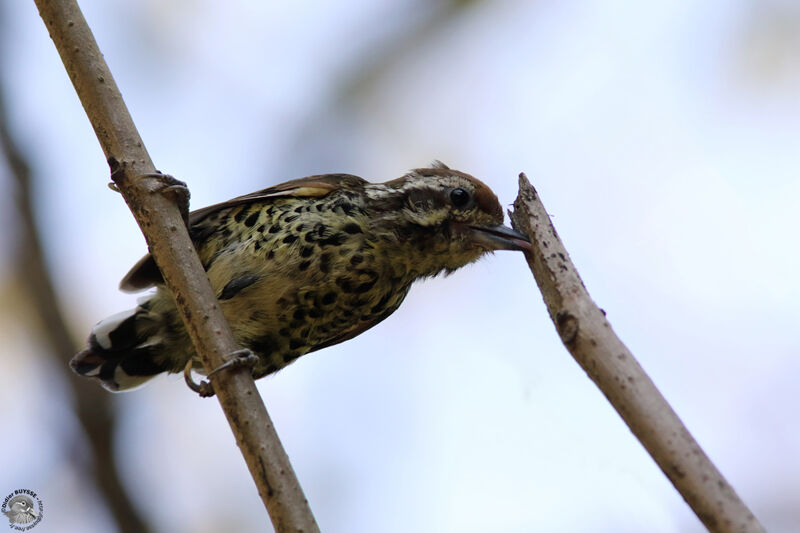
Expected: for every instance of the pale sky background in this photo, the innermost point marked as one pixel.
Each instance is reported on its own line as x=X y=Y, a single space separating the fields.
x=663 y=137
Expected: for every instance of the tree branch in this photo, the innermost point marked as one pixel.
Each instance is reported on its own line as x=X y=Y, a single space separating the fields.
x=168 y=241
x=588 y=336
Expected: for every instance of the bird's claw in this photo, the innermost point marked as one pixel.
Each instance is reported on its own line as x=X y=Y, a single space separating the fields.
x=173 y=188
x=168 y=185
x=204 y=388
x=241 y=358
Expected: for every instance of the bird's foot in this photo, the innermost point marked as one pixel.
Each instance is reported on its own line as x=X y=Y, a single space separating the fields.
x=173 y=188
x=241 y=358
x=204 y=388
x=167 y=185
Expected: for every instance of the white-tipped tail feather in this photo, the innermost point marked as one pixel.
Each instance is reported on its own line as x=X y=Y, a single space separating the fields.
x=122 y=351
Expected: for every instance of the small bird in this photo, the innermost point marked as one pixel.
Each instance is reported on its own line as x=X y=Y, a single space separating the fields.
x=302 y=266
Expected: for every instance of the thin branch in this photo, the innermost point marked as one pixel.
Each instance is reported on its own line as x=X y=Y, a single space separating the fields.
x=588 y=336
x=168 y=240
x=92 y=406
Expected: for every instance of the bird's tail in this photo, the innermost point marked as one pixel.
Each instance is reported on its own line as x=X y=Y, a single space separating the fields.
x=123 y=351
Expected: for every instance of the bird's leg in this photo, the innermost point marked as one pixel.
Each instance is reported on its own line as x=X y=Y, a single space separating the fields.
x=241 y=358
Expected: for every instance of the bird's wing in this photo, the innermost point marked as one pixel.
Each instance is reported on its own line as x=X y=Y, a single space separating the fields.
x=146 y=274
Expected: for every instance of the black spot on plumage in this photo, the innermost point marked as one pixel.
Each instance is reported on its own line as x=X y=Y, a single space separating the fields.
x=271 y=368
x=265 y=345
x=296 y=343
x=365 y=286
x=299 y=209
x=261 y=228
x=329 y=298
x=237 y=284
x=257 y=246
x=291 y=218
x=307 y=251
x=356 y=260
x=352 y=228
x=299 y=314
x=346 y=284
x=289 y=239
x=284 y=332
x=346 y=207
x=304 y=265
x=251 y=220
x=314 y=313
x=337 y=239
x=299 y=228
x=270 y=254
x=351 y=286
x=320 y=206
x=238 y=217
x=378 y=307
x=325 y=263
x=274 y=228
x=201 y=233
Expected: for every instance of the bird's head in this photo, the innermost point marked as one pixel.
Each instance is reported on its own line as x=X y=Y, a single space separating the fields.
x=446 y=218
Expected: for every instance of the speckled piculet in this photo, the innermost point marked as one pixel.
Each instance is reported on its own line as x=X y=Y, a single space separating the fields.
x=304 y=265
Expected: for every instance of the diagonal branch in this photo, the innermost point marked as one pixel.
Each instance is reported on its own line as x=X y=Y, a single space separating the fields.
x=168 y=240
x=588 y=336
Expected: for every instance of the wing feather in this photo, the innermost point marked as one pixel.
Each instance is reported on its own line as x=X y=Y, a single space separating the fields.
x=145 y=272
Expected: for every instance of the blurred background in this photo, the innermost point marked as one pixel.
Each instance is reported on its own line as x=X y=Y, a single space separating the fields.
x=663 y=138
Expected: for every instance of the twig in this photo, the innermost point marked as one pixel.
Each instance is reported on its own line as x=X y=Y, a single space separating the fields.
x=92 y=406
x=168 y=240
x=588 y=336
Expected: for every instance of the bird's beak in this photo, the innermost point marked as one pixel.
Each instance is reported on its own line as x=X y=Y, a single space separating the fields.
x=500 y=238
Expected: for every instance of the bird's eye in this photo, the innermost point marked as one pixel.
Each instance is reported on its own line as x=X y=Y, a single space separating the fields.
x=459 y=197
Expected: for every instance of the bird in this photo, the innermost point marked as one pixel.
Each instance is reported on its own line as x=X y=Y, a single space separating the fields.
x=301 y=266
